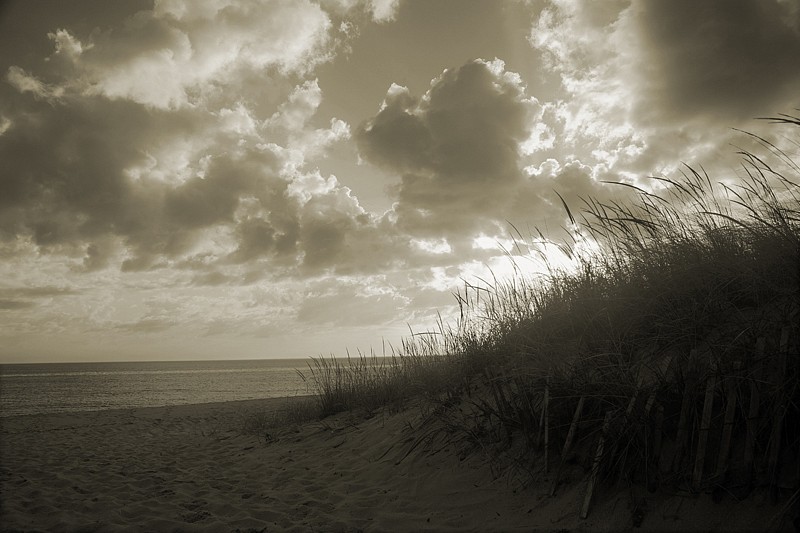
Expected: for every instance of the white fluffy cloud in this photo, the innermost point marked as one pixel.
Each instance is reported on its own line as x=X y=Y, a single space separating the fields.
x=381 y=11
x=168 y=56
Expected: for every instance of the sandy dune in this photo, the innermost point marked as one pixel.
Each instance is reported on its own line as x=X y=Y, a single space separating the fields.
x=189 y=468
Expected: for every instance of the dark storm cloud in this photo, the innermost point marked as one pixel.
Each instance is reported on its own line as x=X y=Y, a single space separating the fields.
x=735 y=57
x=466 y=128
x=456 y=148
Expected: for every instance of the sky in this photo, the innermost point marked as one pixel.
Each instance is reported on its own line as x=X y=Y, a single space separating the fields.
x=211 y=179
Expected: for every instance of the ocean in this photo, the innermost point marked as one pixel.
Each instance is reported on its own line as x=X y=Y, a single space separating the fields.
x=62 y=387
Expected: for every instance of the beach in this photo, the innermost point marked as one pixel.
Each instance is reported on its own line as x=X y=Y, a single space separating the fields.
x=192 y=468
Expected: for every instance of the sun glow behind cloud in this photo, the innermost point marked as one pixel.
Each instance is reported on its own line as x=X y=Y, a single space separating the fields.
x=184 y=180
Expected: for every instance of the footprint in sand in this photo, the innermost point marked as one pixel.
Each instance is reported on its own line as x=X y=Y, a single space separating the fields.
x=195 y=516
x=195 y=513
x=194 y=505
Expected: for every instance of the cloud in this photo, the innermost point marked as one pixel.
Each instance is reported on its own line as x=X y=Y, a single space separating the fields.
x=592 y=47
x=130 y=153
x=650 y=84
x=349 y=310
x=125 y=149
x=17 y=298
x=362 y=302
x=121 y=179
x=24 y=82
x=298 y=109
x=10 y=305
x=459 y=150
x=68 y=176
x=736 y=58
x=213 y=279
x=147 y=186
x=147 y=325
x=169 y=56
x=456 y=148
x=47 y=291
x=290 y=124
x=381 y=11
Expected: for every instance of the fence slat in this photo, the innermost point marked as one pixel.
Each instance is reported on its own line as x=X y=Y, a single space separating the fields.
x=727 y=430
x=598 y=456
x=657 y=436
x=573 y=427
x=683 y=420
x=705 y=424
x=780 y=412
x=546 y=427
x=542 y=414
x=752 y=411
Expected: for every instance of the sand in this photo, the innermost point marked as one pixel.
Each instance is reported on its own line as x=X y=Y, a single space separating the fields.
x=190 y=468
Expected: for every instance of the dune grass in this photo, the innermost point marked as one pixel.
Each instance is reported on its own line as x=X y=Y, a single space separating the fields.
x=689 y=282
x=677 y=325
x=369 y=383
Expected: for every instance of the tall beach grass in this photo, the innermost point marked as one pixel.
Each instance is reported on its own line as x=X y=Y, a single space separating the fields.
x=673 y=336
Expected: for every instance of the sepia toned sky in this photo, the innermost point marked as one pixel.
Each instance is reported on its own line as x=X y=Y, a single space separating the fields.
x=210 y=179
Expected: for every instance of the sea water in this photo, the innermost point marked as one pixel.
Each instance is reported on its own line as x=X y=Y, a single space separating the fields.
x=62 y=387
